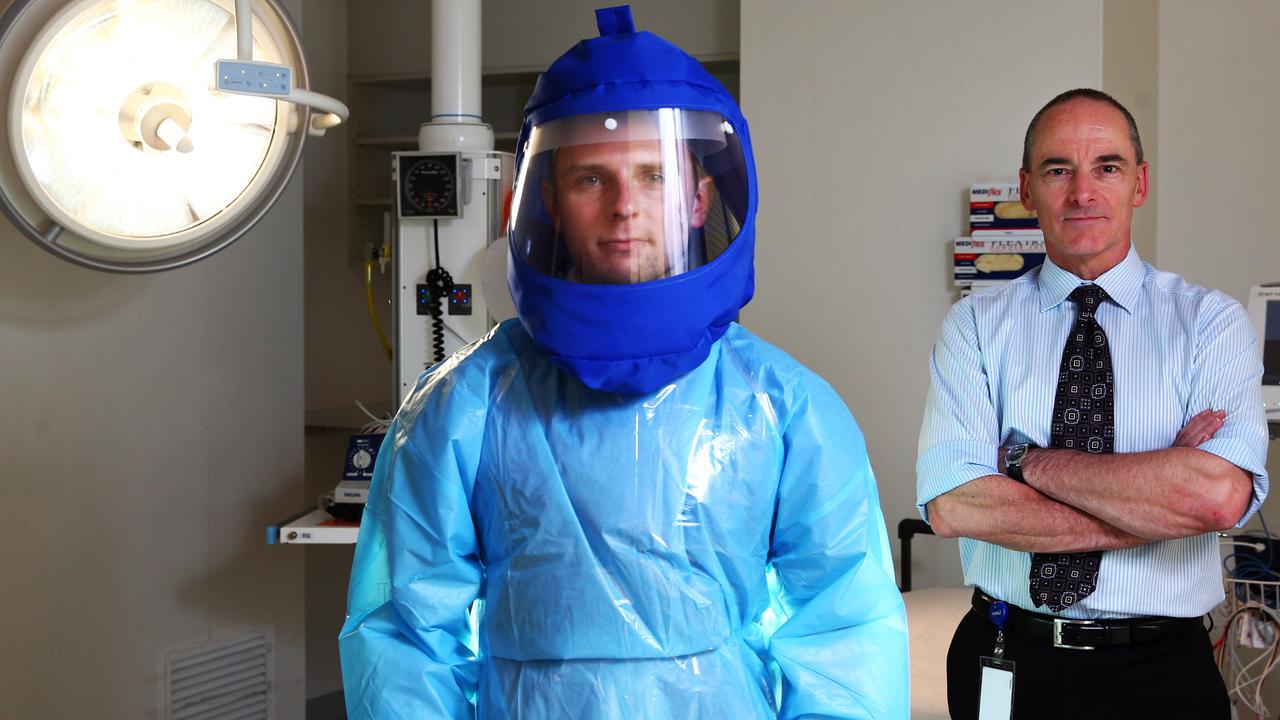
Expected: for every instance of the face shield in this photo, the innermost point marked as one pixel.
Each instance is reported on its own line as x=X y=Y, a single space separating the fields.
x=628 y=197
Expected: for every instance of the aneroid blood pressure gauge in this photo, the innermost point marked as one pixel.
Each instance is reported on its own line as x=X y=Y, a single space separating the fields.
x=428 y=185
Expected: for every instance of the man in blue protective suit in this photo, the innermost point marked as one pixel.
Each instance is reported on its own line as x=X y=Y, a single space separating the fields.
x=647 y=511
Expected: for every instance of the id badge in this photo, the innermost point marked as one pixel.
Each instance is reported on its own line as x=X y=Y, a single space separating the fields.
x=995 y=699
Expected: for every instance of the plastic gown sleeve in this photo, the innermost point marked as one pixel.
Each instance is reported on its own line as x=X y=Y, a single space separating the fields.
x=842 y=651
x=405 y=646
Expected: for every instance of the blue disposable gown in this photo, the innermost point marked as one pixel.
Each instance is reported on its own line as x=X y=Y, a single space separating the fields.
x=677 y=555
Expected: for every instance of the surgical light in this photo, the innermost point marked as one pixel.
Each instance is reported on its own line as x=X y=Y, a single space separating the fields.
x=147 y=134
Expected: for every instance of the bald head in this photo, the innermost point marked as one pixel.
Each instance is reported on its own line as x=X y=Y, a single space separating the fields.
x=1028 y=143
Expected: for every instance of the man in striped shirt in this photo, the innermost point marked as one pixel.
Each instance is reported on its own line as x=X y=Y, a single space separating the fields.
x=1099 y=539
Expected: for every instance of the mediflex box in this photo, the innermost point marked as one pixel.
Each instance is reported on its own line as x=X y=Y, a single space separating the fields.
x=1002 y=256
x=998 y=206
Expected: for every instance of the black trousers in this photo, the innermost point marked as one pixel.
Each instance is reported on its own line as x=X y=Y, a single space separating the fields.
x=1171 y=679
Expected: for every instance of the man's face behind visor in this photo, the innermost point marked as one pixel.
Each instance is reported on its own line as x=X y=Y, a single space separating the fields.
x=628 y=197
x=622 y=212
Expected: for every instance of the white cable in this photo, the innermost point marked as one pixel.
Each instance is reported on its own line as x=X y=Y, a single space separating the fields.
x=366 y=411
x=376 y=424
x=1246 y=686
x=1238 y=689
x=1259 y=547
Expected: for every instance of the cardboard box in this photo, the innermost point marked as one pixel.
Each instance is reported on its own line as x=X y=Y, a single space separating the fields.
x=1002 y=257
x=1003 y=241
x=998 y=206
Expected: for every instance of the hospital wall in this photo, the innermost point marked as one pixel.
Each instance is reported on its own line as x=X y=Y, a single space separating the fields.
x=870 y=126
x=1219 y=168
x=1220 y=148
x=150 y=429
x=342 y=357
x=868 y=132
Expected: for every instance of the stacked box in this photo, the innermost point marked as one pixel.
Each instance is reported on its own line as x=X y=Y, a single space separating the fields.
x=997 y=206
x=993 y=258
x=1004 y=240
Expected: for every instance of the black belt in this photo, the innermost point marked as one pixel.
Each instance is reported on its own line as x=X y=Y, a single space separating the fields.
x=1089 y=634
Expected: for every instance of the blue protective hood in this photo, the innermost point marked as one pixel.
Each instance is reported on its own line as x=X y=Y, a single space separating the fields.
x=633 y=338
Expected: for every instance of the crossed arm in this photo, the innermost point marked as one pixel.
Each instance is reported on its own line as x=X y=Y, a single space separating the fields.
x=1075 y=501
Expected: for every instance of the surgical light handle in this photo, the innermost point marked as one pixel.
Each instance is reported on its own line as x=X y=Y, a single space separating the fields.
x=335 y=112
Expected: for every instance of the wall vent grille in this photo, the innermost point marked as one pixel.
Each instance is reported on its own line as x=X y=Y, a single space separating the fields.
x=227 y=679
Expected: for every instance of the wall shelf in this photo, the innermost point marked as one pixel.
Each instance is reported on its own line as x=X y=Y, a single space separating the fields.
x=313 y=527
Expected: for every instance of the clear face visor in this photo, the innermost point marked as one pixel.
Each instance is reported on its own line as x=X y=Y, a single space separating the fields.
x=628 y=197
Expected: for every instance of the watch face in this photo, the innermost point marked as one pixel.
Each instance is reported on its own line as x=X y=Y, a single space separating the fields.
x=1013 y=461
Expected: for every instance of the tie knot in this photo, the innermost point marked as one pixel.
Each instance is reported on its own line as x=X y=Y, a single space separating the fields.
x=1088 y=297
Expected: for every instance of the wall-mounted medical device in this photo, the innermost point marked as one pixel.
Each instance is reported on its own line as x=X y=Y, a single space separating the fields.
x=429 y=185
x=451 y=199
x=148 y=134
x=1264 y=311
x=450 y=207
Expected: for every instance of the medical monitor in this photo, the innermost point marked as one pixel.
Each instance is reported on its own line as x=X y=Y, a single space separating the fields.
x=1264 y=311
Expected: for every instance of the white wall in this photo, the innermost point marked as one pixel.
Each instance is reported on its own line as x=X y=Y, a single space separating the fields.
x=1220 y=173
x=1220 y=159
x=1219 y=164
x=151 y=429
x=343 y=359
x=870 y=120
x=1131 y=73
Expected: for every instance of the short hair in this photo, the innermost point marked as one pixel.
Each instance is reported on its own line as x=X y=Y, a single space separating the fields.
x=1087 y=94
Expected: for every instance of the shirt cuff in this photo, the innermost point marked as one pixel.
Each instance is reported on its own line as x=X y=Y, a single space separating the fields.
x=1239 y=453
x=946 y=466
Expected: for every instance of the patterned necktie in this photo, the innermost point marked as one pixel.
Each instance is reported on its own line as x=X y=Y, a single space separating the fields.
x=1083 y=419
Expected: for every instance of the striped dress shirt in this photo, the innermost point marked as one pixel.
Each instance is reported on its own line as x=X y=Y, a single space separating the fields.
x=1176 y=348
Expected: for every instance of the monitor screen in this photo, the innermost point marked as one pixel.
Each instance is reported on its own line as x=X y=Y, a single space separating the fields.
x=1271 y=344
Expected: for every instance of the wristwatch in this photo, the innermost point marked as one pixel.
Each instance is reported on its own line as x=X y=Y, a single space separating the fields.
x=1013 y=461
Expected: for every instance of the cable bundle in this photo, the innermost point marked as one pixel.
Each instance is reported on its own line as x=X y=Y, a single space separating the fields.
x=1245 y=678
x=1253 y=599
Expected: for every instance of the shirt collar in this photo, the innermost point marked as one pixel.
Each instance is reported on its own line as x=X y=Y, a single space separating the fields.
x=1123 y=282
